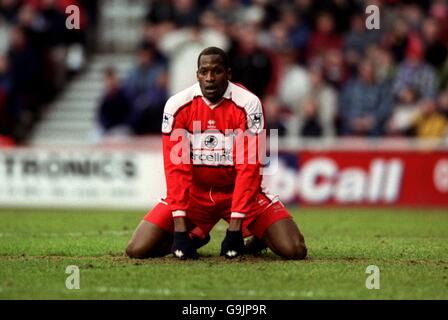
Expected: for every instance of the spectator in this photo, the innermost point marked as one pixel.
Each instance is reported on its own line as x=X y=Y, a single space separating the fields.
x=186 y=13
x=294 y=83
x=324 y=38
x=311 y=124
x=159 y=12
x=45 y=30
x=325 y=100
x=114 y=110
x=306 y=10
x=439 y=11
x=334 y=68
x=365 y=104
x=298 y=31
x=54 y=23
x=397 y=40
x=342 y=10
x=383 y=62
x=159 y=20
x=430 y=123
x=413 y=14
x=25 y=69
x=6 y=100
x=404 y=114
x=251 y=65
x=181 y=47
x=146 y=89
x=357 y=40
x=277 y=38
x=9 y=9
x=415 y=73
x=4 y=119
x=443 y=103
x=270 y=12
x=435 y=50
x=229 y=11
x=273 y=114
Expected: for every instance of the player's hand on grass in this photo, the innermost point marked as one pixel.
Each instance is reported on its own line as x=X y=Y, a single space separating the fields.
x=233 y=244
x=183 y=247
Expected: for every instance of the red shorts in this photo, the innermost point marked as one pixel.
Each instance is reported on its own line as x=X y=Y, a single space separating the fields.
x=207 y=207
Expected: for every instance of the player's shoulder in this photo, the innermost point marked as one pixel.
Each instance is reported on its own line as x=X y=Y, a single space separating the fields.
x=251 y=105
x=176 y=104
x=181 y=100
x=245 y=99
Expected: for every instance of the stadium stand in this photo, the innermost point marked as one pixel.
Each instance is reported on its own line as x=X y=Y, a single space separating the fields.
x=37 y=59
x=318 y=70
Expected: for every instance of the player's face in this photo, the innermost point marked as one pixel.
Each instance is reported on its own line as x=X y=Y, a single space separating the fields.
x=213 y=77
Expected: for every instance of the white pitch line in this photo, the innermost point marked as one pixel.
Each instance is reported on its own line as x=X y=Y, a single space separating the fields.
x=170 y=292
x=70 y=234
x=80 y=234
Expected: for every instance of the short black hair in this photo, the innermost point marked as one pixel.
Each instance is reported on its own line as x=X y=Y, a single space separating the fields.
x=218 y=51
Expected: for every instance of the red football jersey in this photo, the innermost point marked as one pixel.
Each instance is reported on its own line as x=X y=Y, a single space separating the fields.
x=213 y=145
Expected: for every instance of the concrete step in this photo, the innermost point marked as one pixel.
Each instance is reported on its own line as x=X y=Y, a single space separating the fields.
x=67 y=125
x=71 y=116
x=52 y=140
x=86 y=86
x=74 y=96
x=71 y=119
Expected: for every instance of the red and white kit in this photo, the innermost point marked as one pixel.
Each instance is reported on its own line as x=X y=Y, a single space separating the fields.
x=212 y=166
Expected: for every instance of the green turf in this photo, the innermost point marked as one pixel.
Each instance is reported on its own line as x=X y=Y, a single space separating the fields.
x=409 y=246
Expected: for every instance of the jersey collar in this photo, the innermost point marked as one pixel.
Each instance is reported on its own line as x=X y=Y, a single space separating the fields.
x=227 y=95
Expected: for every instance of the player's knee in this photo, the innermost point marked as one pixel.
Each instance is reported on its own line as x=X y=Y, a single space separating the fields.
x=296 y=250
x=135 y=252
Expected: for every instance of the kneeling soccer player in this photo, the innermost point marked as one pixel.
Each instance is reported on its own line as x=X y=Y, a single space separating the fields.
x=204 y=129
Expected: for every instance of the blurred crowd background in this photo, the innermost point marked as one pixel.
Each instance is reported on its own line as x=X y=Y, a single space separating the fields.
x=317 y=69
x=38 y=57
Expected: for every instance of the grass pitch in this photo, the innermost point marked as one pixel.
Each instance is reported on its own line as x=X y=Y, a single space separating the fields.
x=410 y=247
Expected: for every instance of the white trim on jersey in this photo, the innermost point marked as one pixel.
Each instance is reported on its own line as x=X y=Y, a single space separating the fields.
x=179 y=214
x=240 y=96
x=237 y=215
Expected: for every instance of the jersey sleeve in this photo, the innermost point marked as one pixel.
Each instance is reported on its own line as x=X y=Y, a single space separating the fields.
x=176 y=158
x=248 y=141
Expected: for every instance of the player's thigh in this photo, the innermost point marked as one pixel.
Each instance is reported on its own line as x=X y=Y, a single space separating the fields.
x=277 y=228
x=285 y=239
x=153 y=236
x=285 y=236
x=264 y=216
x=149 y=240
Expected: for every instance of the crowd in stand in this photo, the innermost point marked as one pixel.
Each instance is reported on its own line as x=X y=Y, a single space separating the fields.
x=317 y=68
x=38 y=53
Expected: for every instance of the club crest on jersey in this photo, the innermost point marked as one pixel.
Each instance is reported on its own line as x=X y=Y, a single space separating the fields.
x=211 y=124
x=167 y=123
x=256 y=121
x=211 y=142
